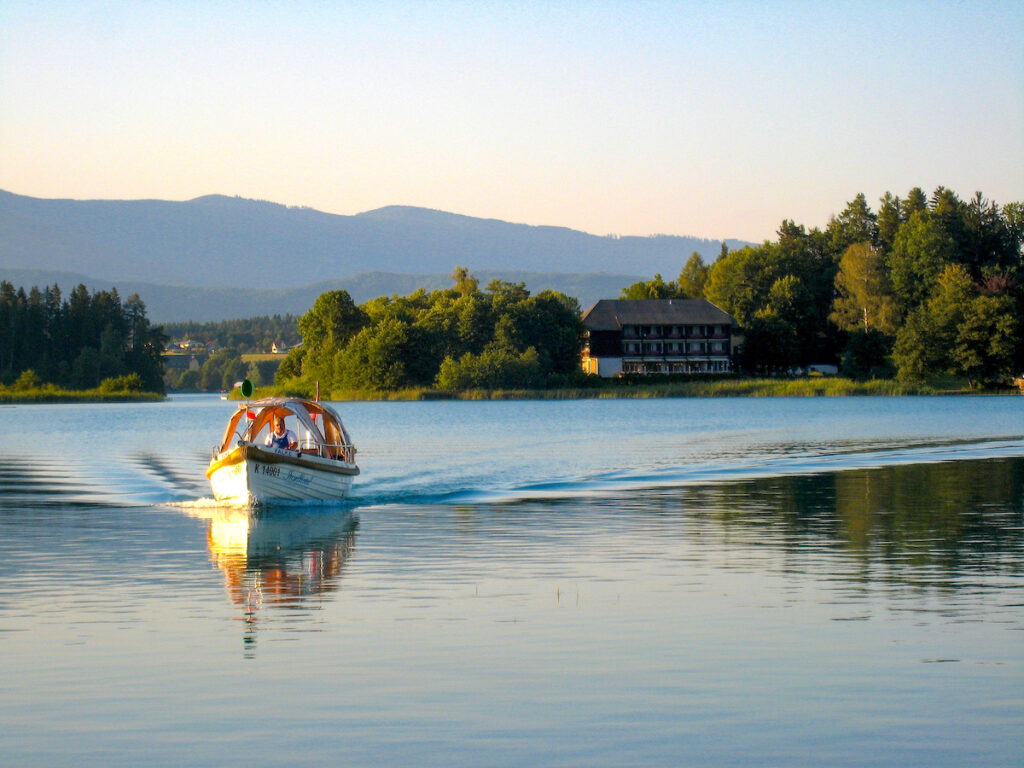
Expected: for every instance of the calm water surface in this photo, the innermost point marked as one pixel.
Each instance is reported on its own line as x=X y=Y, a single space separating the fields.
x=835 y=581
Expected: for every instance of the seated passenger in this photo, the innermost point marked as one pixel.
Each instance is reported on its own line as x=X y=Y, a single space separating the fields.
x=281 y=437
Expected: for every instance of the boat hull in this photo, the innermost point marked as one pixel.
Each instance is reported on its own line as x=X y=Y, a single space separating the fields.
x=250 y=475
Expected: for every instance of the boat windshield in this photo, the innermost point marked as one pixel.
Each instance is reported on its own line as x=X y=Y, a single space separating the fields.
x=319 y=426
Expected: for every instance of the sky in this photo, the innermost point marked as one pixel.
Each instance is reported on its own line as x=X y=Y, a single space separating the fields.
x=707 y=119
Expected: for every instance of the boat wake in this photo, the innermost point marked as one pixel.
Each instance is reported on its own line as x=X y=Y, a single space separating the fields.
x=477 y=490
x=145 y=478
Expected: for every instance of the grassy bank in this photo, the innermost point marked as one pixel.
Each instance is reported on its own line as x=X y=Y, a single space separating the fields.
x=732 y=387
x=52 y=394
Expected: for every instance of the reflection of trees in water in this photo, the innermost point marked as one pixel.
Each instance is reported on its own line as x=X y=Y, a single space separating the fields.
x=950 y=516
x=933 y=513
x=280 y=558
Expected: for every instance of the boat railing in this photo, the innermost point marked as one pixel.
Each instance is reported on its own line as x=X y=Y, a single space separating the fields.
x=343 y=451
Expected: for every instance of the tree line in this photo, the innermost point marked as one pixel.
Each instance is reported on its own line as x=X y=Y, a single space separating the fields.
x=452 y=339
x=221 y=371
x=79 y=341
x=924 y=286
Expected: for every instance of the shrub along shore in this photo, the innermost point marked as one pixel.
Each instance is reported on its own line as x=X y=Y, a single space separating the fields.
x=51 y=394
x=117 y=389
x=733 y=387
x=802 y=387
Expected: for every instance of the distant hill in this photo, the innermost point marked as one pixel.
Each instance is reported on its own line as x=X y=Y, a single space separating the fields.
x=219 y=241
x=177 y=303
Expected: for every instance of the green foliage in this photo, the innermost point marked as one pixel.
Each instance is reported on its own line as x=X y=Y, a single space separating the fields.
x=78 y=341
x=888 y=222
x=495 y=368
x=28 y=379
x=924 y=343
x=868 y=280
x=986 y=340
x=291 y=366
x=262 y=372
x=188 y=381
x=221 y=371
x=465 y=283
x=463 y=337
x=654 y=289
x=375 y=358
x=856 y=224
x=130 y=383
x=781 y=293
x=864 y=300
x=326 y=328
x=739 y=281
x=694 y=275
x=921 y=250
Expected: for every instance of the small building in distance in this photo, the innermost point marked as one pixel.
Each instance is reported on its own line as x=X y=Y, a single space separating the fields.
x=652 y=336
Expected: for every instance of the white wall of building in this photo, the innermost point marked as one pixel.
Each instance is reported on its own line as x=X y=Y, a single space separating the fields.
x=609 y=366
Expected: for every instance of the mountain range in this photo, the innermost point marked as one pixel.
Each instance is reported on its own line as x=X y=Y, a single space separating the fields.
x=217 y=257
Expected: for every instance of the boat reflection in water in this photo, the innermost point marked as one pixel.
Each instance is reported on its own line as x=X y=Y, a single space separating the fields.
x=279 y=557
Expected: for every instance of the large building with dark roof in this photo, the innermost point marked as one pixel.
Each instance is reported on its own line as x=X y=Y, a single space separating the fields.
x=647 y=336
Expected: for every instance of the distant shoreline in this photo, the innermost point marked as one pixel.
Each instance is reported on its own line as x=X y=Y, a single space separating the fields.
x=40 y=397
x=806 y=387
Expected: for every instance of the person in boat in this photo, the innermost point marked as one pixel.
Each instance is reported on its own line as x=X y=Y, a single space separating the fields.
x=282 y=437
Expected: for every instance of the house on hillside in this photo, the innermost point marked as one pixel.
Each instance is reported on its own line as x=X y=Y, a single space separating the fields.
x=279 y=348
x=650 y=336
x=188 y=345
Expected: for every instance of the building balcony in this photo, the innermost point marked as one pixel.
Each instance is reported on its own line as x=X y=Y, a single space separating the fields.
x=678 y=355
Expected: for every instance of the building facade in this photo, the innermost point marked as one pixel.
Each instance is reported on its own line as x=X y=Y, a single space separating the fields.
x=658 y=336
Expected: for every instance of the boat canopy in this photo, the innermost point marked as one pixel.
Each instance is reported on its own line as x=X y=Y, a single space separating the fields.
x=319 y=421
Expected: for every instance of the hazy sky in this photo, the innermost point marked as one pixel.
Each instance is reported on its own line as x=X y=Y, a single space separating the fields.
x=714 y=119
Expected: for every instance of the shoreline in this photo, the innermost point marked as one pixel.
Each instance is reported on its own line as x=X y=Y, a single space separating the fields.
x=810 y=387
x=77 y=396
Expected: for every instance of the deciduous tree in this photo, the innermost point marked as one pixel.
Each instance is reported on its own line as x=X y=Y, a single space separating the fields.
x=864 y=301
x=694 y=276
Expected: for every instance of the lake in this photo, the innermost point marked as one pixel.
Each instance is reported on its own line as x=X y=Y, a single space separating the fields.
x=720 y=582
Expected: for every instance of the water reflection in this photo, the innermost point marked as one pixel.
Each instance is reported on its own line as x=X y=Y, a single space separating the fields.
x=279 y=558
x=918 y=523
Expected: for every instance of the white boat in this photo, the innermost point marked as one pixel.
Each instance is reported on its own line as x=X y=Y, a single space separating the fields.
x=319 y=465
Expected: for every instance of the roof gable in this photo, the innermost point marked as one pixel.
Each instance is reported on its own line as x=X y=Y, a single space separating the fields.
x=612 y=314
